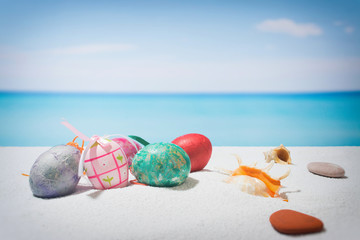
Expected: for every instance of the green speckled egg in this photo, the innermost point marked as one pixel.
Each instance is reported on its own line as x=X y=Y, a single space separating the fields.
x=161 y=165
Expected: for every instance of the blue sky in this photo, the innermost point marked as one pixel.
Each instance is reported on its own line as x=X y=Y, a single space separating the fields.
x=180 y=46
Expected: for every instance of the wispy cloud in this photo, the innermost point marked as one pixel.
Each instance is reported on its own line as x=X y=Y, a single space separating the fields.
x=91 y=49
x=349 y=29
x=338 y=23
x=288 y=26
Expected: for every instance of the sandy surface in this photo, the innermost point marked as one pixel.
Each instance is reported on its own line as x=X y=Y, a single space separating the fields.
x=204 y=207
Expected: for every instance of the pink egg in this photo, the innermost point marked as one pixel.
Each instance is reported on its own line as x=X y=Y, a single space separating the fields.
x=130 y=148
x=198 y=147
x=106 y=167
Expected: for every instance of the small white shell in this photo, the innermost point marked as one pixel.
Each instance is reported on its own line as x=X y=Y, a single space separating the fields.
x=280 y=155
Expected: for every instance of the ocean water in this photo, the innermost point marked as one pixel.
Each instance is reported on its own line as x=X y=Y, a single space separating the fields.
x=327 y=119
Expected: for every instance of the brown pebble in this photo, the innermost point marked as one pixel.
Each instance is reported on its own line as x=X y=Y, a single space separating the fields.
x=326 y=169
x=293 y=222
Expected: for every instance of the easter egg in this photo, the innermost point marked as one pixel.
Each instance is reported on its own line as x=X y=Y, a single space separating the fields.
x=198 y=147
x=55 y=172
x=106 y=167
x=129 y=148
x=161 y=165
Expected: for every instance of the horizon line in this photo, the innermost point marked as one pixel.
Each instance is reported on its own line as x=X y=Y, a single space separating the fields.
x=189 y=93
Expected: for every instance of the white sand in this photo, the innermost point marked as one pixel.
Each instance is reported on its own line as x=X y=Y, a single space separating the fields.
x=203 y=208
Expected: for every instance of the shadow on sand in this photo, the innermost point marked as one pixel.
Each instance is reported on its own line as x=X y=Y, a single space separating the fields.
x=188 y=184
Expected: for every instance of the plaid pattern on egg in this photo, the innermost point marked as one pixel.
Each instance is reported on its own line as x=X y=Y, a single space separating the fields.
x=106 y=168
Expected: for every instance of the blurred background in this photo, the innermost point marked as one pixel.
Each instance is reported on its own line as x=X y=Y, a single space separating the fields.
x=243 y=73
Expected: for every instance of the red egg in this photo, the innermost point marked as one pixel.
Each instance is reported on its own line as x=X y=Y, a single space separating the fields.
x=198 y=147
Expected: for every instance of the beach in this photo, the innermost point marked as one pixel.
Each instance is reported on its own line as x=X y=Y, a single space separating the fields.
x=204 y=207
x=247 y=76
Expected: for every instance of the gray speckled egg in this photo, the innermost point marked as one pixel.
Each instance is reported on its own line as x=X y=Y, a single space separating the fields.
x=55 y=172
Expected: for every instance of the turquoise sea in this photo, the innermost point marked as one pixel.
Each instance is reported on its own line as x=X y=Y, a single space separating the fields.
x=325 y=119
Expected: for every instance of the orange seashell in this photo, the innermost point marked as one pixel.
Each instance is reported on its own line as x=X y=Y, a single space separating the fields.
x=257 y=181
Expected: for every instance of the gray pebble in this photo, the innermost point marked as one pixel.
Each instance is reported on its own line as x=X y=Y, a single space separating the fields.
x=326 y=169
